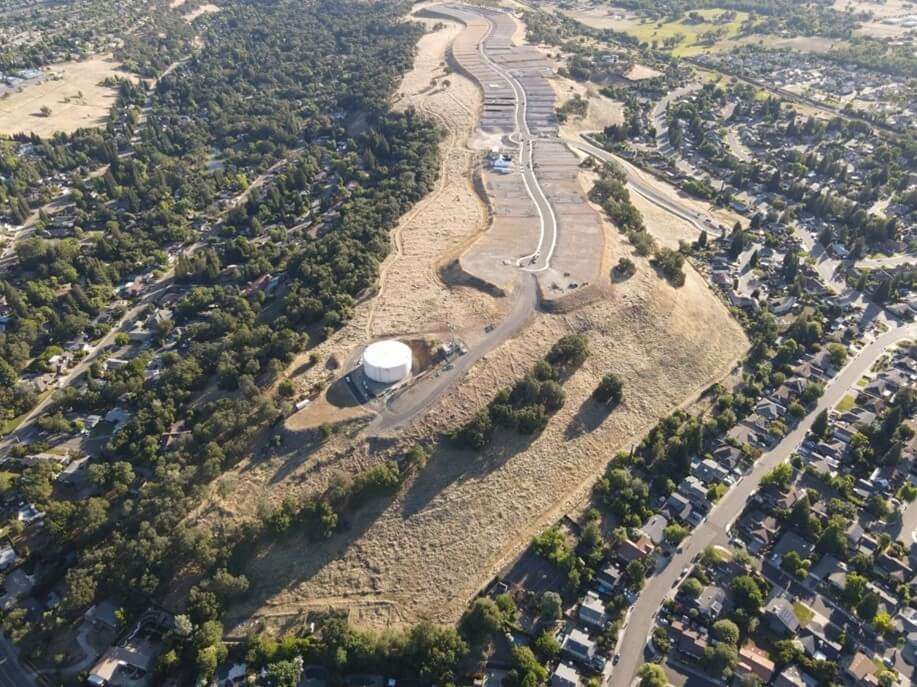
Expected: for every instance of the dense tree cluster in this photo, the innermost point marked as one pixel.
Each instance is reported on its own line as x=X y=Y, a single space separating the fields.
x=255 y=96
x=610 y=191
x=530 y=402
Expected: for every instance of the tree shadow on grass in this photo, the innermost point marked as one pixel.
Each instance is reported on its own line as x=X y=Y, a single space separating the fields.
x=275 y=564
x=450 y=464
x=588 y=418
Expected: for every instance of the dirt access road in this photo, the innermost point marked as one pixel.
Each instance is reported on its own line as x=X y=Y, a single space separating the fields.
x=402 y=408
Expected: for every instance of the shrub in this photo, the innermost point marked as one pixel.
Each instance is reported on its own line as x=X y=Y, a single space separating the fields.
x=609 y=390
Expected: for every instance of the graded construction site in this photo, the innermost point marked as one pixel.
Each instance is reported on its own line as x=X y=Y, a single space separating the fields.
x=541 y=223
x=426 y=550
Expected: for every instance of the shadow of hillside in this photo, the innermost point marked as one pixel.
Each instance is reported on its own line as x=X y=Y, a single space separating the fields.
x=280 y=563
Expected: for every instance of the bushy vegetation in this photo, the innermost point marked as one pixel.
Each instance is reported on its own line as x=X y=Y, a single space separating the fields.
x=527 y=406
x=610 y=191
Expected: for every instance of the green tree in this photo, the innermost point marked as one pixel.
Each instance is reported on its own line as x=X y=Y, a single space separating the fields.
x=652 y=675
x=692 y=588
x=780 y=476
x=820 y=424
x=609 y=390
x=726 y=631
x=747 y=594
x=526 y=670
x=551 y=606
x=434 y=652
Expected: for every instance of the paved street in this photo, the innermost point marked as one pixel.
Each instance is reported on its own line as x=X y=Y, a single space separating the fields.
x=12 y=674
x=714 y=529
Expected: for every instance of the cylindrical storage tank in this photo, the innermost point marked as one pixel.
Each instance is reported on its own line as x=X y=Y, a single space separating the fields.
x=387 y=362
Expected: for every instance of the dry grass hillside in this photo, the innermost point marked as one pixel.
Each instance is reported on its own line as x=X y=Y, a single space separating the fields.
x=425 y=551
x=72 y=93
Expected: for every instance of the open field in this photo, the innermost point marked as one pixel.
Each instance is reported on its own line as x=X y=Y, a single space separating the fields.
x=600 y=111
x=886 y=16
x=649 y=31
x=427 y=551
x=209 y=8
x=21 y=112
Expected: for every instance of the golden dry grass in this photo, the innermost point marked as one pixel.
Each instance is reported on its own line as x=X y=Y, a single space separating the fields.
x=21 y=112
x=427 y=550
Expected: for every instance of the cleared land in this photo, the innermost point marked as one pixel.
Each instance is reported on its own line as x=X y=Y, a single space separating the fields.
x=426 y=551
x=600 y=111
x=209 y=8
x=646 y=30
x=21 y=112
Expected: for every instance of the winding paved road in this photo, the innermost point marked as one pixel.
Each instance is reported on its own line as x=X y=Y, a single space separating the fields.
x=639 y=186
x=402 y=407
x=714 y=529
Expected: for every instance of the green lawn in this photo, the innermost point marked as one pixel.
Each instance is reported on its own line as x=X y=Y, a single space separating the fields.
x=845 y=403
x=803 y=613
x=650 y=31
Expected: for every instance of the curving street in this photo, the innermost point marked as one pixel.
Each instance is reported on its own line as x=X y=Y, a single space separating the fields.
x=714 y=529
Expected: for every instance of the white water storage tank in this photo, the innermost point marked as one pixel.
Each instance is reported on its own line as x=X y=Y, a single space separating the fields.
x=387 y=362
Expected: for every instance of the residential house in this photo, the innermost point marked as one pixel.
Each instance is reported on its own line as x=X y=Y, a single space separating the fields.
x=759 y=530
x=690 y=643
x=861 y=669
x=816 y=645
x=592 y=611
x=894 y=569
x=790 y=541
x=794 y=677
x=693 y=490
x=103 y=615
x=634 y=551
x=769 y=410
x=709 y=471
x=609 y=578
x=122 y=665
x=780 y=617
x=565 y=675
x=754 y=661
x=826 y=566
x=727 y=456
x=709 y=604
x=577 y=646
x=678 y=507
x=655 y=528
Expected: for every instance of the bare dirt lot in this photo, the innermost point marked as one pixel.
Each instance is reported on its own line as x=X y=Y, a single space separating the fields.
x=209 y=8
x=21 y=112
x=424 y=552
